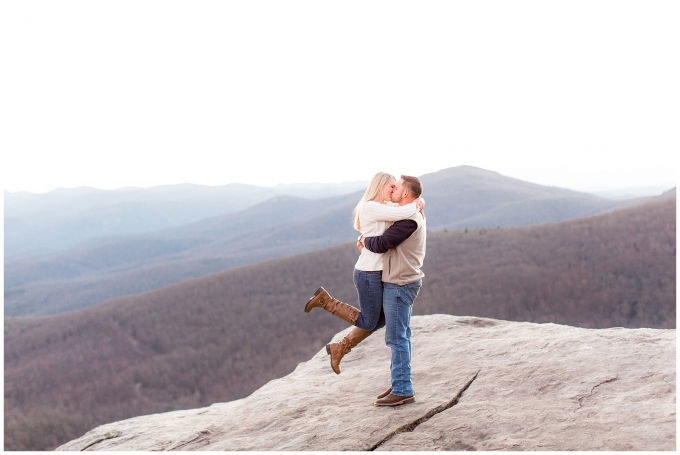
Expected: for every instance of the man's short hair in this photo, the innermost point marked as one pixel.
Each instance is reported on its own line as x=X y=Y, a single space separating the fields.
x=413 y=185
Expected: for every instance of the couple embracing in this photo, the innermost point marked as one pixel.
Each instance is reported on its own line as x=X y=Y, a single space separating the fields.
x=387 y=277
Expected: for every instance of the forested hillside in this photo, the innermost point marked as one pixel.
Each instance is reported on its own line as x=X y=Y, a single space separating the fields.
x=222 y=336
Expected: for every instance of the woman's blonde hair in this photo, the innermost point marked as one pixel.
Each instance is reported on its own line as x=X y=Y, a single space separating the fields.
x=374 y=189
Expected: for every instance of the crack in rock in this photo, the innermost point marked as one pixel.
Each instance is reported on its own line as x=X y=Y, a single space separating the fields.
x=412 y=425
x=108 y=435
x=580 y=400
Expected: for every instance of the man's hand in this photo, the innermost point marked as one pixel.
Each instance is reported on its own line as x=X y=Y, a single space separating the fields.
x=360 y=243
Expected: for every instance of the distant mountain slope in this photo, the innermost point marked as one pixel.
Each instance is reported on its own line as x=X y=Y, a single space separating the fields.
x=222 y=336
x=471 y=197
x=36 y=224
x=81 y=278
x=101 y=270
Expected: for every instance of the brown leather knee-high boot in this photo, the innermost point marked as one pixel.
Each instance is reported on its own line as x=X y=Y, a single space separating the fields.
x=348 y=313
x=322 y=299
x=338 y=350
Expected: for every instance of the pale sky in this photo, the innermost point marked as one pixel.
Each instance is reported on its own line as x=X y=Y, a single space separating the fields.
x=577 y=94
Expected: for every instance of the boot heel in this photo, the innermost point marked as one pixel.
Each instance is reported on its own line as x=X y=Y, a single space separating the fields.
x=328 y=349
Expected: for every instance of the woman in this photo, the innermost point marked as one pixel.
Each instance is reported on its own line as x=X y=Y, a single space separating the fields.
x=372 y=216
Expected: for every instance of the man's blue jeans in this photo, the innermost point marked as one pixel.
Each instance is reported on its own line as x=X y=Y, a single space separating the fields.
x=397 y=304
x=370 y=292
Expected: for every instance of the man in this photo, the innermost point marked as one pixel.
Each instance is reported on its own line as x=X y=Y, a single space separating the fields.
x=403 y=245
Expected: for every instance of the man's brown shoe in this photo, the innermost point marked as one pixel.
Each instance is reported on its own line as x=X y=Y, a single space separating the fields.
x=394 y=400
x=385 y=393
x=322 y=299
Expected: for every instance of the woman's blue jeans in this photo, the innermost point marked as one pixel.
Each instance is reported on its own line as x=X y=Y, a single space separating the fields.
x=370 y=291
x=398 y=302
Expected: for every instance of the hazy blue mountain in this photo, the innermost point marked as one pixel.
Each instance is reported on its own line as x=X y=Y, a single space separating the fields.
x=244 y=232
x=37 y=224
x=102 y=269
x=85 y=276
x=633 y=192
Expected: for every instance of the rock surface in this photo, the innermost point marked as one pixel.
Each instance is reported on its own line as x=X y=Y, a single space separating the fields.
x=481 y=384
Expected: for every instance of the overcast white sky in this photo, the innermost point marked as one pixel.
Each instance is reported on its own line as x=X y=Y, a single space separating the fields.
x=578 y=94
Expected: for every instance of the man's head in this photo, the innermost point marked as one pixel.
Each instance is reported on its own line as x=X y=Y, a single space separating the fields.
x=407 y=190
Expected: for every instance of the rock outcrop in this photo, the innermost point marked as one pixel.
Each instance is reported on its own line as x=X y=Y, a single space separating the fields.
x=481 y=384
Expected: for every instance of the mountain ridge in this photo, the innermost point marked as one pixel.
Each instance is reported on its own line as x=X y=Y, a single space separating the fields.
x=94 y=273
x=77 y=215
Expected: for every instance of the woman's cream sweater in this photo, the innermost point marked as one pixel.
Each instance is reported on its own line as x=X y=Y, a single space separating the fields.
x=374 y=219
